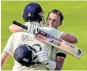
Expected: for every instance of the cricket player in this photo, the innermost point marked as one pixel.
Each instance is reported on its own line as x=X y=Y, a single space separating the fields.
x=32 y=15
x=54 y=19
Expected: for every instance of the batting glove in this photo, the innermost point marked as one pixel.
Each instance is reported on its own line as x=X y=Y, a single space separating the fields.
x=43 y=57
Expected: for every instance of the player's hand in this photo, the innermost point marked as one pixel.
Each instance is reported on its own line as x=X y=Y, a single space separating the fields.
x=31 y=29
x=51 y=65
x=43 y=57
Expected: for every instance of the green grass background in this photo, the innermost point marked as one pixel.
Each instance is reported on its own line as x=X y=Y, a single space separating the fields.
x=75 y=22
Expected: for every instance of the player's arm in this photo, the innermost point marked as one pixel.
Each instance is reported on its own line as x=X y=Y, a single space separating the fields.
x=60 y=57
x=4 y=58
x=69 y=38
x=44 y=59
x=7 y=51
x=59 y=61
x=14 y=28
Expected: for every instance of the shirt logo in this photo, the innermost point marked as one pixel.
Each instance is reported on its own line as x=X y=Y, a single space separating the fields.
x=29 y=14
x=26 y=38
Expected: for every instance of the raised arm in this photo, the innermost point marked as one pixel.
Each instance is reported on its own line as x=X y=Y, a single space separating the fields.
x=14 y=28
x=69 y=38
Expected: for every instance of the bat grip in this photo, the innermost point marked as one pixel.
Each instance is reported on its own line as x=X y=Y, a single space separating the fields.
x=19 y=24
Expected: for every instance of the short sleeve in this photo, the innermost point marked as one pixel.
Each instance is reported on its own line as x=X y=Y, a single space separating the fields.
x=9 y=46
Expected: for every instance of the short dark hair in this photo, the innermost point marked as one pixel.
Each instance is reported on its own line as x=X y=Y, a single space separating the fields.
x=58 y=12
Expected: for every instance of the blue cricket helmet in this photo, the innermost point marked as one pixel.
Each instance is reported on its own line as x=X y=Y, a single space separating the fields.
x=23 y=55
x=31 y=12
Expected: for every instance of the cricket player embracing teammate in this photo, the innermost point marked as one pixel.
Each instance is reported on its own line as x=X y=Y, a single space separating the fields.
x=29 y=53
x=23 y=45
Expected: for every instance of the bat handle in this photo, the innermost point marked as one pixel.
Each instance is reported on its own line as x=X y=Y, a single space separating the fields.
x=19 y=24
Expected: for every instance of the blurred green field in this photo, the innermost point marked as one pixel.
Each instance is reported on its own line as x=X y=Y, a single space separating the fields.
x=75 y=22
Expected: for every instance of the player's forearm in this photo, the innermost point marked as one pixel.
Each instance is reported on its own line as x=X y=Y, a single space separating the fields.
x=14 y=28
x=59 y=66
x=4 y=58
x=59 y=62
x=69 y=38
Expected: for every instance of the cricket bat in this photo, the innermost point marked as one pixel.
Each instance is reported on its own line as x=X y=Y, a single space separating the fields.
x=49 y=39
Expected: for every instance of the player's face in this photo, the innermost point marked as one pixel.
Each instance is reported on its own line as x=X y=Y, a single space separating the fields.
x=53 y=20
